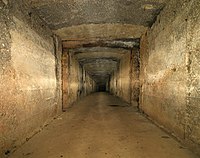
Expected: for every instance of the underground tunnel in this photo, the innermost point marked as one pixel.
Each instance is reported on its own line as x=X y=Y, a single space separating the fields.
x=106 y=78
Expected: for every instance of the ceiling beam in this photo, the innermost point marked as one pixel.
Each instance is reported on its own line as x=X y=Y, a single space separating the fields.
x=116 y=43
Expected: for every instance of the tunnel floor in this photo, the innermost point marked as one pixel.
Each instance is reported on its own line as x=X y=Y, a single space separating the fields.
x=101 y=125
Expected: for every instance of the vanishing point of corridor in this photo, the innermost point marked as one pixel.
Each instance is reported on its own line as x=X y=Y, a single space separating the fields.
x=98 y=126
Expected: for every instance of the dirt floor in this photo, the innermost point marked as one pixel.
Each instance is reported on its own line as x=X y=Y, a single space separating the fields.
x=102 y=126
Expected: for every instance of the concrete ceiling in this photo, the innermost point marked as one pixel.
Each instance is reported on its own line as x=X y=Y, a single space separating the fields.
x=99 y=32
x=65 y=13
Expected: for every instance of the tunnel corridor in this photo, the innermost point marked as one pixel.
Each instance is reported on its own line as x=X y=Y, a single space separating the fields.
x=99 y=78
x=101 y=69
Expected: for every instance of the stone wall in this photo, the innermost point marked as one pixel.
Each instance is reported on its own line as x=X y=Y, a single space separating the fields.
x=30 y=74
x=120 y=80
x=170 y=70
x=124 y=82
x=76 y=82
x=74 y=78
x=192 y=129
x=134 y=76
x=89 y=84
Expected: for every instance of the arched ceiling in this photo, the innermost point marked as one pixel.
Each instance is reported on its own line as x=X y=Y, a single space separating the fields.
x=98 y=32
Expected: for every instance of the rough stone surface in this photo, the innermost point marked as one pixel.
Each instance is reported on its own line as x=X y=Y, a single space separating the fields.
x=124 y=43
x=192 y=131
x=30 y=92
x=6 y=74
x=134 y=76
x=76 y=80
x=80 y=23
x=59 y=14
x=124 y=81
x=170 y=70
x=100 y=31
